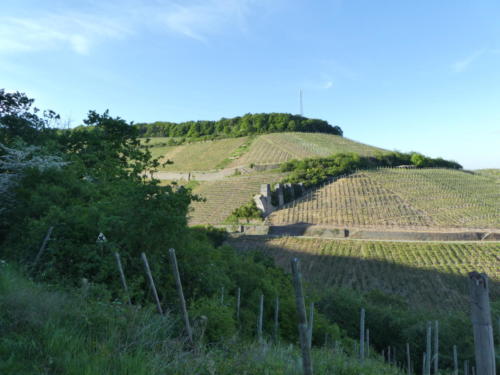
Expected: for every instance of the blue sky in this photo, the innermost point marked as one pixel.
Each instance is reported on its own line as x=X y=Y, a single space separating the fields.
x=406 y=75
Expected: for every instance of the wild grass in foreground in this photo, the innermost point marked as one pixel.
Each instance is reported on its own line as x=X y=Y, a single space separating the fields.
x=48 y=331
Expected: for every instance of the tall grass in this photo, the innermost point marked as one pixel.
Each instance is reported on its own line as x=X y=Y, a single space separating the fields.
x=47 y=331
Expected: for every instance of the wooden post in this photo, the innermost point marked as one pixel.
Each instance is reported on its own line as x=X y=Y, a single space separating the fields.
x=310 y=325
x=481 y=322
x=424 y=364
x=436 y=347
x=151 y=283
x=455 y=360
x=175 y=269
x=276 y=319
x=301 y=312
x=428 y=349
x=367 y=349
x=261 y=318
x=44 y=245
x=238 y=301
x=362 y=336
x=408 y=359
x=122 y=277
x=466 y=367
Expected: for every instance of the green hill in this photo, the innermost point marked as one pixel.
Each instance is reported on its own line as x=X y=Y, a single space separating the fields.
x=260 y=149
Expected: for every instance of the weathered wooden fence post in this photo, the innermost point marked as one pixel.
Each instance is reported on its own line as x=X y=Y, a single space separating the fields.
x=436 y=347
x=122 y=277
x=43 y=246
x=428 y=349
x=310 y=325
x=362 y=336
x=175 y=269
x=261 y=318
x=276 y=319
x=481 y=322
x=408 y=359
x=151 y=283
x=301 y=312
x=455 y=360
x=238 y=301
x=367 y=343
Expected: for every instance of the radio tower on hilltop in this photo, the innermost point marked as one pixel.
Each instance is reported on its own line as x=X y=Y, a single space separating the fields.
x=300 y=101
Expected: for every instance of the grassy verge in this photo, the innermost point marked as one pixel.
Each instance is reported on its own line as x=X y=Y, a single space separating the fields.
x=48 y=331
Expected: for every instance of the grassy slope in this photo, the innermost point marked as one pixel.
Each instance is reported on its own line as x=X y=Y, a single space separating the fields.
x=280 y=147
x=199 y=156
x=222 y=197
x=400 y=198
x=263 y=149
x=49 y=332
x=427 y=275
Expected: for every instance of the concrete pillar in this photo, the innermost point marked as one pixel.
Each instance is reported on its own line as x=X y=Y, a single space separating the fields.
x=278 y=188
x=265 y=190
x=291 y=191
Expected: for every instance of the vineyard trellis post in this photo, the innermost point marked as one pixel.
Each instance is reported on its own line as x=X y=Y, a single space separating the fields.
x=481 y=321
x=238 y=301
x=175 y=270
x=122 y=277
x=408 y=359
x=46 y=240
x=301 y=312
x=276 y=318
x=428 y=349
x=310 y=324
x=362 y=336
x=436 y=347
x=261 y=318
x=367 y=343
x=455 y=360
x=151 y=282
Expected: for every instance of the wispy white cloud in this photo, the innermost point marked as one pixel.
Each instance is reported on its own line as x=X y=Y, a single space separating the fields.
x=462 y=65
x=76 y=31
x=81 y=30
x=328 y=84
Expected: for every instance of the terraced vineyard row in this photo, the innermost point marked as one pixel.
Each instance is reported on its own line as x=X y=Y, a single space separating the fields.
x=352 y=201
x=280 y=147
x=224 y=196
x=451 y=198
x=198 y=156
x=427 y=275
x=399 y=198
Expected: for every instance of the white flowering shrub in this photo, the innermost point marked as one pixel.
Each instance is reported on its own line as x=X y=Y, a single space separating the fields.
x=14 y=161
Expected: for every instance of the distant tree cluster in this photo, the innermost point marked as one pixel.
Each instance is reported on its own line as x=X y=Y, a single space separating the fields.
x=248 y=124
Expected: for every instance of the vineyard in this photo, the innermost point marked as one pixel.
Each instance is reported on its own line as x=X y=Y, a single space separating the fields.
x=272 y=148
x=199 y=156
x=427 y=275
x=222 y=197
x=399 y=198
x=280 y=147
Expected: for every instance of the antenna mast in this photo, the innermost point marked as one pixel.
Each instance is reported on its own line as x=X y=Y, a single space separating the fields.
x=301 y=106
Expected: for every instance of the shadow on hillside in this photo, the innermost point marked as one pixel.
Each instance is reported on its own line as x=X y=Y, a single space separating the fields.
x=421 y=288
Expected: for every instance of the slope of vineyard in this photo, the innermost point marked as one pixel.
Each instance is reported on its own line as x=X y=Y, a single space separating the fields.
x=199 y=156
x=399 y=198
x=280 y=147
x=224 y=196
x=272 y=148
x=427 y=275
